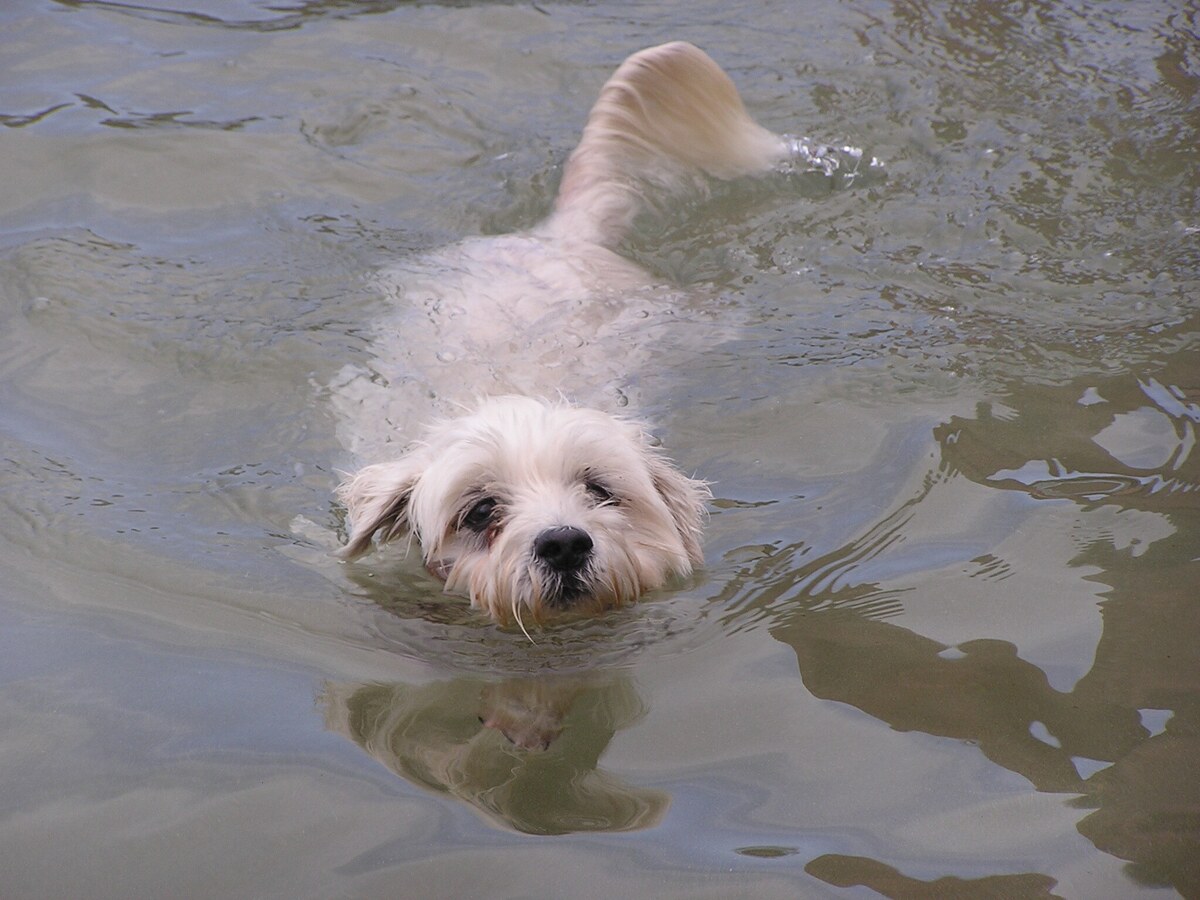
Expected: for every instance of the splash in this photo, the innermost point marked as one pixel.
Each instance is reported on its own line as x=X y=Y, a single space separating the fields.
x=806 y=155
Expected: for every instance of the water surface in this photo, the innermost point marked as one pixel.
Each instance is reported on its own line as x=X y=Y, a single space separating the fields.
x=945 y=637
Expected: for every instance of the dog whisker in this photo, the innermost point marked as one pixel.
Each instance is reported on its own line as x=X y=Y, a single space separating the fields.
x=516 y=608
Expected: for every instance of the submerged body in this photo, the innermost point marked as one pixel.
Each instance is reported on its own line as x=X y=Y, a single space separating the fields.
x=529 y=505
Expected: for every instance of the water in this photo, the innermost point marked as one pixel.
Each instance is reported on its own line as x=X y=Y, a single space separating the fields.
x=946 y=630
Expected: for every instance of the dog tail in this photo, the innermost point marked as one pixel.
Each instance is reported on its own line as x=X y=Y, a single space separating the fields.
x=667 y=114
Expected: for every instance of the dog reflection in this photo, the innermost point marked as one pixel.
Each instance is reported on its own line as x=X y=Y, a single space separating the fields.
x=528 y=712
x=523 y=752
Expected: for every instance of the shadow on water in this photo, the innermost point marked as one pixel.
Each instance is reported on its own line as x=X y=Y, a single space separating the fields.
x=1126 y=737
x=524 y=752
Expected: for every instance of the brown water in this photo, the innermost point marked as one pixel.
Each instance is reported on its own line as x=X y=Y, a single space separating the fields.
x=947 y=635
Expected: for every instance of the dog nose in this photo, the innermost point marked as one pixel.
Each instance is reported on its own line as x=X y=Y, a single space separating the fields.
x=563 y=548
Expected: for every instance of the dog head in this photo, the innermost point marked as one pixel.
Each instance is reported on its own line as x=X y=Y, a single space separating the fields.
x=534 y=507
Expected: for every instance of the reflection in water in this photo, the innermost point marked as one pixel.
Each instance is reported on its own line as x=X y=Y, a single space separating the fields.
x=523 y=751
x=980 y=692
x=1126 y=737
x=852 y=871
x=1124 y=440
x=1130 y=442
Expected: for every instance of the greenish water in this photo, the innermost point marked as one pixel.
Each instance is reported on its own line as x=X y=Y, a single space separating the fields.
x=946 y=635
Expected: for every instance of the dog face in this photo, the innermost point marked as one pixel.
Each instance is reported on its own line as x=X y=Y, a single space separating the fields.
x=533 y=507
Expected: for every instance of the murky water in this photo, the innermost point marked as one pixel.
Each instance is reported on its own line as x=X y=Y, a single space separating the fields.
x=946 y=636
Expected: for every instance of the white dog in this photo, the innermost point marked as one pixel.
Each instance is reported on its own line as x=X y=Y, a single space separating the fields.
x=529 y=506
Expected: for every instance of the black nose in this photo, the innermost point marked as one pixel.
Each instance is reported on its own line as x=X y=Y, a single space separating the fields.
x=563 y=549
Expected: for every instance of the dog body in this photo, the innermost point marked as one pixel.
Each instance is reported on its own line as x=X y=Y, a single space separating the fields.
x=516 y=314
x=529 y=505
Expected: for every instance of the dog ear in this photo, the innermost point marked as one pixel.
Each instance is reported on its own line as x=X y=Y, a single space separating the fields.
x=376 y=500
x=685 y=498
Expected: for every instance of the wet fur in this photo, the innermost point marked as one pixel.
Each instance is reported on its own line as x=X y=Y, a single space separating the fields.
x=498 y=315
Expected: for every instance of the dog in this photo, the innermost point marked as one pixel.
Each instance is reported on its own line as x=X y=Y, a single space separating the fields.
x=532 y=506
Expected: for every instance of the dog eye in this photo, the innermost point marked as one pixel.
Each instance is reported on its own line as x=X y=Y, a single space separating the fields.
x=599 y=492
x=479 y=516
